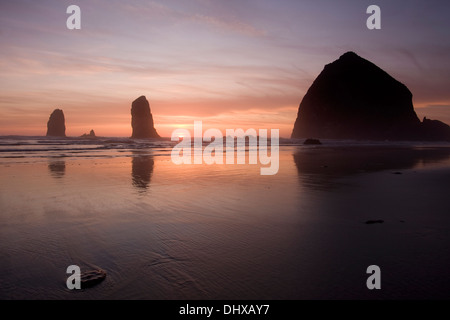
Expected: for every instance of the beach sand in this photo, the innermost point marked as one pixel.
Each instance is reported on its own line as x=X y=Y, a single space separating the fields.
x=162 y=231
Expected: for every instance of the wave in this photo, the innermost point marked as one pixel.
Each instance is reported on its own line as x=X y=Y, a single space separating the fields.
x=39 y=146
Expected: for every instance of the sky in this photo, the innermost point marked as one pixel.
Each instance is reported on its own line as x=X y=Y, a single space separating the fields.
x=231 y=64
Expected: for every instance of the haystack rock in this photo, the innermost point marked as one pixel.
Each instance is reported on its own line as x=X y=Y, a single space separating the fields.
x=56 y=125
x=352 y=98
x=142 y=119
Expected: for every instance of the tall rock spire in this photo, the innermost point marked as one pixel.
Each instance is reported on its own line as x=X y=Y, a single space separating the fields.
x=56 y=125
x=142 y=119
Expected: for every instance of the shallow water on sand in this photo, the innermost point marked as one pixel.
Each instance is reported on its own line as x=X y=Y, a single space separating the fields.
x=163 y=231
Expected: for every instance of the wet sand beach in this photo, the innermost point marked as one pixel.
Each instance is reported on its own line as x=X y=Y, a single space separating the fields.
x=163 y=231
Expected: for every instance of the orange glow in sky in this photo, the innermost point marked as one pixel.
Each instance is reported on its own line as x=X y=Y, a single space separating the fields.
x=230 y=64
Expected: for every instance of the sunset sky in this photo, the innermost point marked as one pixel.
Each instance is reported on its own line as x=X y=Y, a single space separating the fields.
x=232 y=64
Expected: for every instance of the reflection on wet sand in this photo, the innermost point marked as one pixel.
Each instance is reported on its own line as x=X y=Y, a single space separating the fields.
x=320 y=168
x=57 y=168
x=141 y=170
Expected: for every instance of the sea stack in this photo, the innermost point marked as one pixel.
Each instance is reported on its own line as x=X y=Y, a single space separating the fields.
x=90 y=135
x=142 y=119
x=352 y=98
x=56 y=125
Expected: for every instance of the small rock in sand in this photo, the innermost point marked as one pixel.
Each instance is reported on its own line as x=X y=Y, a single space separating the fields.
x=312 y=142
x=374 y=221
x=92 y=278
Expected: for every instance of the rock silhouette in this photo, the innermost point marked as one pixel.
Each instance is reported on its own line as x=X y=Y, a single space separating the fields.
x=352 y=98
x=435 y=130
x=90 y=135
x=142 y=119
x=56 y=125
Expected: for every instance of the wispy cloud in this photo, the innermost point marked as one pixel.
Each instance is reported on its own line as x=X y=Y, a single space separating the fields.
x=188 y=12
x=230 y=25
x=239 y=61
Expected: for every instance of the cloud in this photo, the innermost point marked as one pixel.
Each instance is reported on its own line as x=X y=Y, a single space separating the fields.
x=231 y=60
x=228 y=25
x=183 y=12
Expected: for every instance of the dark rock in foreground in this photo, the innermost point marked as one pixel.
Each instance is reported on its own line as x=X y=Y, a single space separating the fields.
x=56 y=125
x=142 y=119
x=92 y=278
x=312 y=142
x=352 y=98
